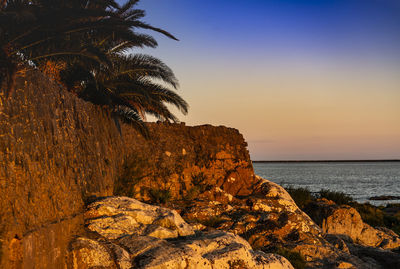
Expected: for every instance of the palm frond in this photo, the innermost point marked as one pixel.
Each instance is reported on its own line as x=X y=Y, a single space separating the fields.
x=87 y=40
x=140 y=66
x=143 y=25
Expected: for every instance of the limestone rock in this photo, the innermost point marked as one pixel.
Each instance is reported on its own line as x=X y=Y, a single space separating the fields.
x=216 y=249
x=114 y=217
x=267 y=217
x=156 y=237
x=143 y=236
x=346 y=221
x=121 y=256
x=87 y=253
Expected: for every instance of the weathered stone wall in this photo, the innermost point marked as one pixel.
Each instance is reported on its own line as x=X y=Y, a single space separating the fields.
x=57 y=151
x=180 y=162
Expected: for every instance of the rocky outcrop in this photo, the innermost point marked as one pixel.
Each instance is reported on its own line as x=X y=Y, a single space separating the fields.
x=184 y=161
x=134 y=234
x=126 y=233
x=346 y=222
x=268 y=218
x=57 y=152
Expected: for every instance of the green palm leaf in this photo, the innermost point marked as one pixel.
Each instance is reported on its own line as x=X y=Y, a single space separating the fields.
x=90 y=39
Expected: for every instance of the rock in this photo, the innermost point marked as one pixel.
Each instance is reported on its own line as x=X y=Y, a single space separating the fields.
x=114 y=217
x=345 y=265
x=378 y=257
x=137 y=235
x=346 y=221
x=216 y=249
x=337 y=242
x=186 y=160
x=238 y=182
x=218 y=195
x=87 y=253
x=121 y=256
x=205 y=210
x=268 y=217
x=198 y=226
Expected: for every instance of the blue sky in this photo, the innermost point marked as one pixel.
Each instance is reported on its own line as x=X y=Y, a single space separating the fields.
x=344 y=26
x=300 y=79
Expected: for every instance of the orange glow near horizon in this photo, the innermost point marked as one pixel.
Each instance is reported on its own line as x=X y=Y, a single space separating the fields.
x=303 y=114
x=299 y=79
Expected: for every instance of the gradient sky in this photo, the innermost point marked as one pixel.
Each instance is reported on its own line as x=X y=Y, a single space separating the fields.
x=313 y=79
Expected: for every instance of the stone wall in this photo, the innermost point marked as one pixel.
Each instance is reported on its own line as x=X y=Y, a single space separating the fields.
x=57 y=152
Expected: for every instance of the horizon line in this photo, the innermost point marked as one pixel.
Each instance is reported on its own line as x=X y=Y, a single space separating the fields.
x=346 y=160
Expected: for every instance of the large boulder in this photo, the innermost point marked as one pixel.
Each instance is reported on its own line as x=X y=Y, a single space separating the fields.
x=88 y=253
x=114 y=217
x=216 y=249
x=131 y=234
x=345 y=221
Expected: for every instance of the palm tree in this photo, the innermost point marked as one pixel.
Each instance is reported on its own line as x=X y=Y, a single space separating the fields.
x=89 y=39
x=42 y=30
x=34 y=31
x=129 y=87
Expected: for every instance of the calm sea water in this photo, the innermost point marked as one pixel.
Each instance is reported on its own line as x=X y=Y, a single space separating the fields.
x=360 y=180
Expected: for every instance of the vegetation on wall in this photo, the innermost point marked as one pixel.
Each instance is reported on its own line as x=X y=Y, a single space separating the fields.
x=133 y=171
x=159 y=196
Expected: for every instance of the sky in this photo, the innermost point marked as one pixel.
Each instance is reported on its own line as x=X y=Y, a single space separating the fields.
x=301 y=80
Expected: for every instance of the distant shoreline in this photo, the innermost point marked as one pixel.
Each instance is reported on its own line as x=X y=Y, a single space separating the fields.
x=325 y=161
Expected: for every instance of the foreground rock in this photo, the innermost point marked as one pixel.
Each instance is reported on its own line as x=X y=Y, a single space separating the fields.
x=133 y=234
x=268 y=219
x=115 y=217
x=346 y=222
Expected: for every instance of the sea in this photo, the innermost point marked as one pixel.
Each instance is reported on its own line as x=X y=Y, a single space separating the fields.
x=360 y=180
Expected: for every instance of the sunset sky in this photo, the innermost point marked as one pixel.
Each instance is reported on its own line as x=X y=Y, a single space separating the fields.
x=314 y=79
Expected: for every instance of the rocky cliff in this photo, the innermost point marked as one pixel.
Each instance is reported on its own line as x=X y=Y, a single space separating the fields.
x=184 y=162
x=58 y=152
x=60 y=155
